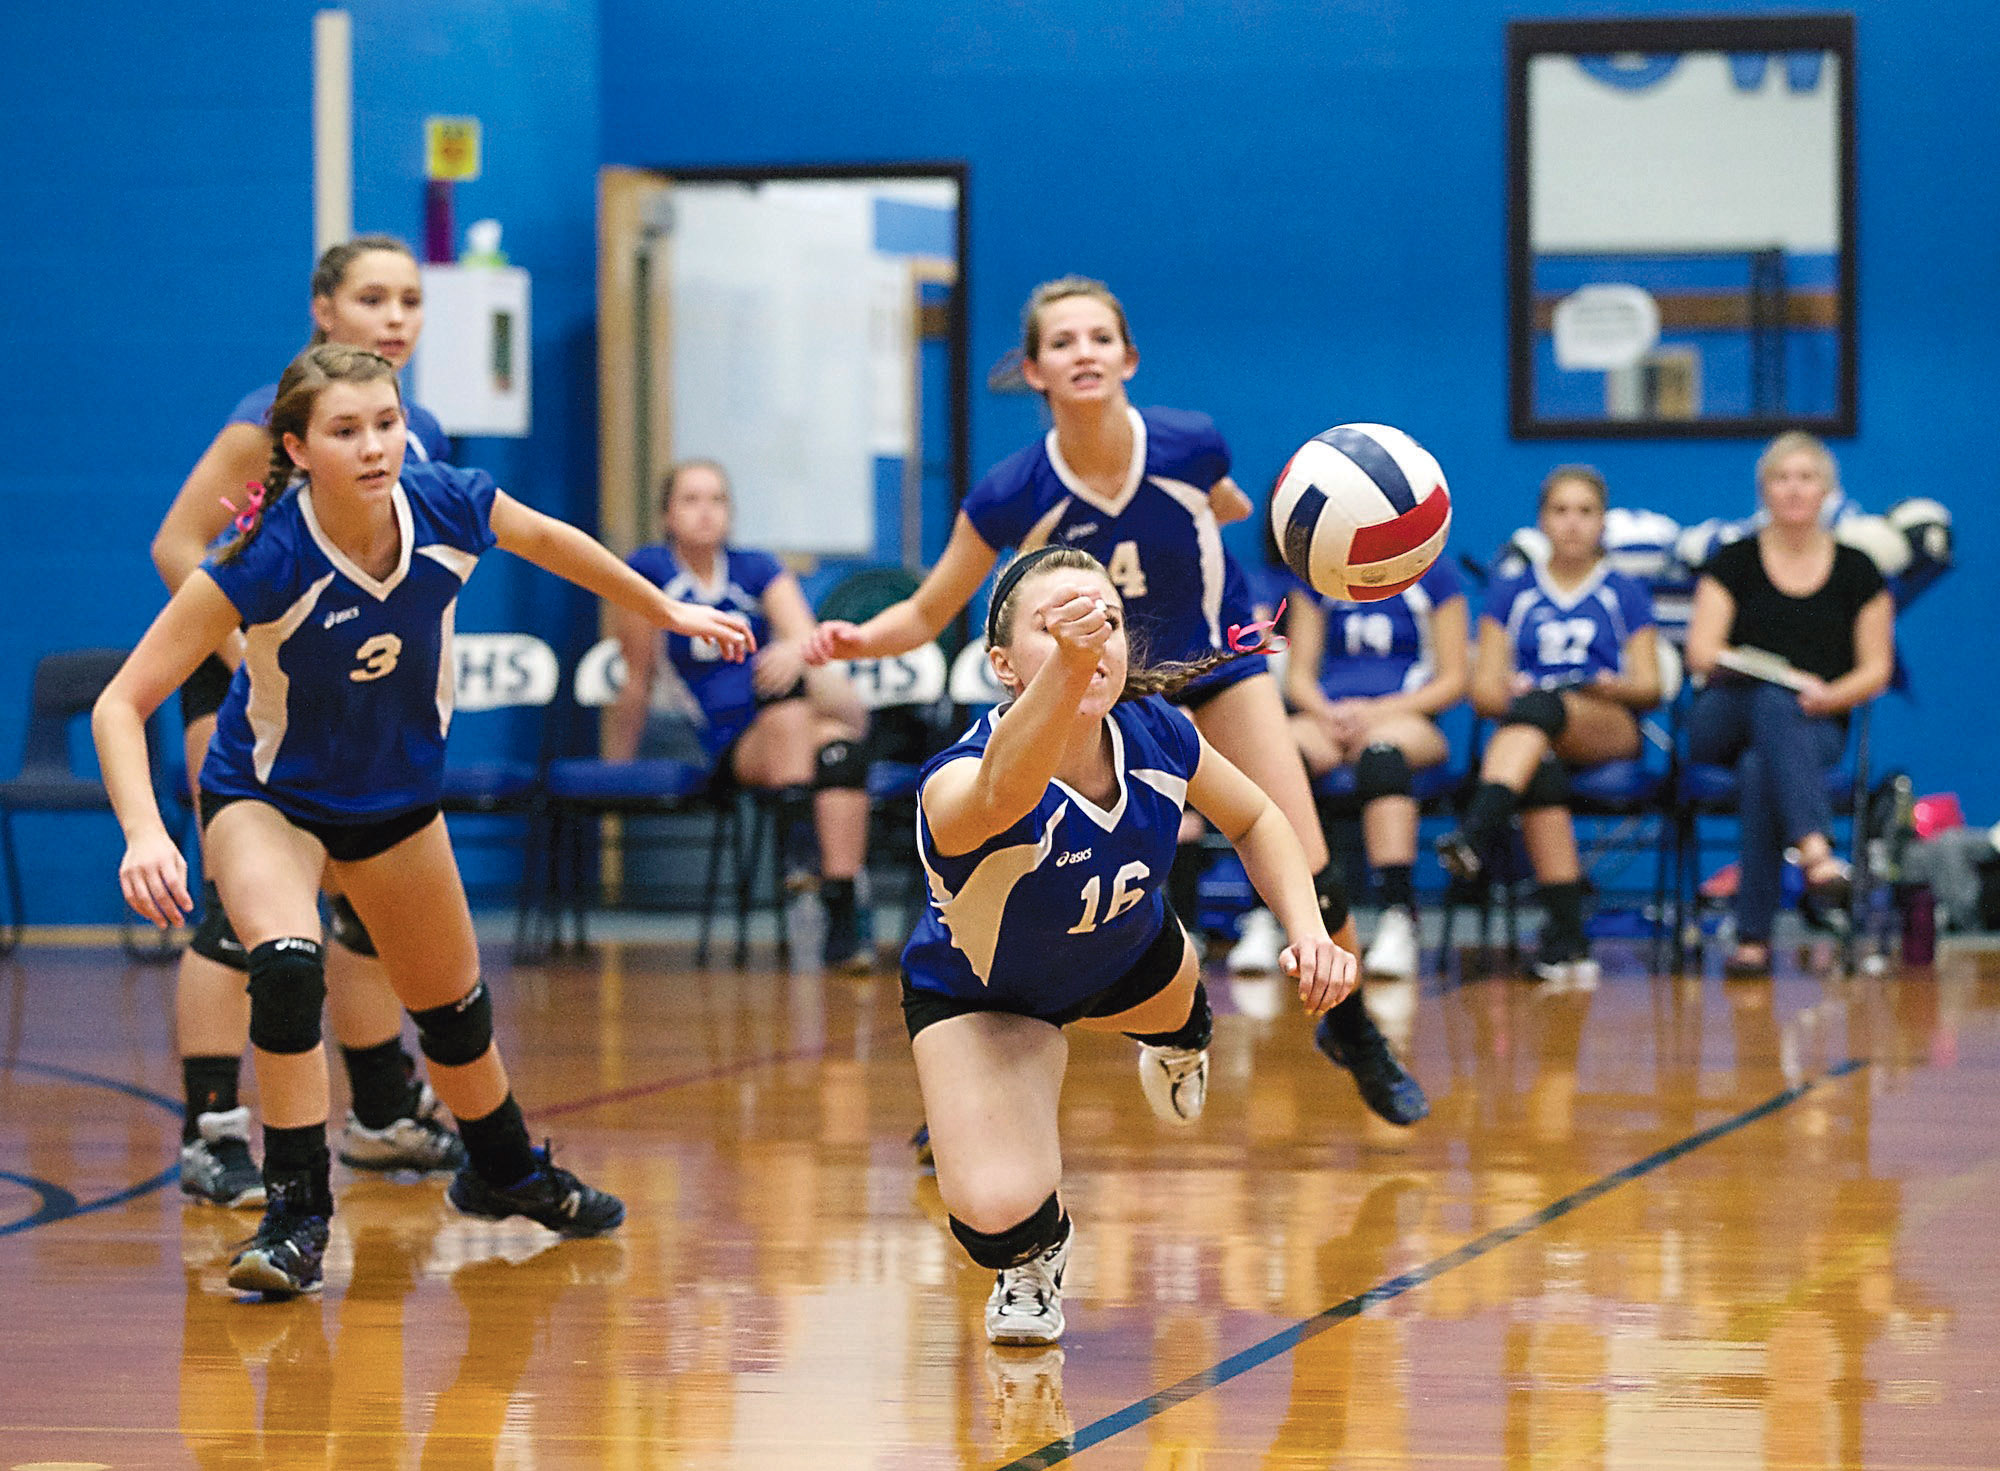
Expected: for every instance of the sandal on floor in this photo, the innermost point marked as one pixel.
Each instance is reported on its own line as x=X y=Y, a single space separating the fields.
x=1739 y=967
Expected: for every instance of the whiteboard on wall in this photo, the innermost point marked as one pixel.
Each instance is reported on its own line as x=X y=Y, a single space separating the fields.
x=786 y=339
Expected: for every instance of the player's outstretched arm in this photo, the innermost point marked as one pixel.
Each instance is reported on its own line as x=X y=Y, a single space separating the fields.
x=1276 y=863
x=153 y=873
x=969 y=801
x=921 y=616
x=558 y=547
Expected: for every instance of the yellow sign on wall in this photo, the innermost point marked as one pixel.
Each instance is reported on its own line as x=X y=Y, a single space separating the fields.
x=451 y=147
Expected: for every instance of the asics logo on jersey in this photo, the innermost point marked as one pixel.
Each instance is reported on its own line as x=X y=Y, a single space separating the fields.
x=1068 y=858
x=341 y=617
x=1076 y=533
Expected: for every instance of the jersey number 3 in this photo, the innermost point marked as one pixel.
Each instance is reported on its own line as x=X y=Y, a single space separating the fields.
x=1125 y=892
x=376 y=657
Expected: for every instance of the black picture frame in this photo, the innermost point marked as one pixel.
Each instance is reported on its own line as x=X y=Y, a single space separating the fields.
x=1774 y=33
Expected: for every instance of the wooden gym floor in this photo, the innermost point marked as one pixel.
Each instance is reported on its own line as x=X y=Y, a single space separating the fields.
x=1662 y=1224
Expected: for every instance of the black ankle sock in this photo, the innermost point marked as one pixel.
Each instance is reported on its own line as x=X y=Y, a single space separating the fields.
x=209 y=1085
x=379 y=1079
x=1563 y=903
x=1491 y=810
x=498 y=1145
x=1350 y=1018
x=837 y=895
x=1394 y=886
x=1333 y=906
x=295 y=1160
x=1193 y=1034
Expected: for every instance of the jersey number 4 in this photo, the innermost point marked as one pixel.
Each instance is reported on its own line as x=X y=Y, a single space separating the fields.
x=1125 y=892
x=376 y=657
x=1125 y=572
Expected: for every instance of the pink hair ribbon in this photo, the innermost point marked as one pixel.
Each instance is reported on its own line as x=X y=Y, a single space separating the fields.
x=246 y=518
x=1260 y=638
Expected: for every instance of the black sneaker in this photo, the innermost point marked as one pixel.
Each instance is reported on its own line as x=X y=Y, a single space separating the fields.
x=216 y=1165
x=1459 y=857
x=550 y=1197
x=1385 y=1086
x=283 y=1259
x=845 y=949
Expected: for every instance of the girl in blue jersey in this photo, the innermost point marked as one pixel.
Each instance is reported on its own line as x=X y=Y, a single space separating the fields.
x=1367 y=682
x=1147 y=494
x=1046 y=833
x=365 y=292
x=1566 y=660
x=770 y=724
x=328 y=756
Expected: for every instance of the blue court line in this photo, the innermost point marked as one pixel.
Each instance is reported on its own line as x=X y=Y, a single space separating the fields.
x=1258 y=1354
x=59 y=1204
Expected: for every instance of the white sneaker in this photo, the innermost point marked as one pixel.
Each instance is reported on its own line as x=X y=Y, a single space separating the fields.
x=1175 y=1080
x=1257 y=945
x=1393 y=953
x=1025 y=1306
x=217 y=1167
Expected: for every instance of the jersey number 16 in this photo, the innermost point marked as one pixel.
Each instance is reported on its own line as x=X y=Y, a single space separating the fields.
x=1125 y=892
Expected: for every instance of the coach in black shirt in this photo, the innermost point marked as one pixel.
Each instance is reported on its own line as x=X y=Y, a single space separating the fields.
x=1821 y=608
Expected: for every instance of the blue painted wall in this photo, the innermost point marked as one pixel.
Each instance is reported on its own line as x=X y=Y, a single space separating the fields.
x=1303 y=205
x=153 y=265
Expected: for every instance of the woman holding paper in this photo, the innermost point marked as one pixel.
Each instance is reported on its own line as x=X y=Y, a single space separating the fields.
x=1793 y=631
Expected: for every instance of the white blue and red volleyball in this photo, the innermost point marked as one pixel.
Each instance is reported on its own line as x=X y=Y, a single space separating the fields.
x=1361 y=512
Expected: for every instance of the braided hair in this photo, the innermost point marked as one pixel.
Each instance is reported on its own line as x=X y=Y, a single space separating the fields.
x=299 y=388
x=1142 y=677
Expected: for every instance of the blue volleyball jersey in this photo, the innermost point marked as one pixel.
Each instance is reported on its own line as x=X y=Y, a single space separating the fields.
x=1569 y=638
x=1158 y=537
x=1387 y=647
x=1065 y=901
x=725 y=692
x=425 y=436
x=339 y=710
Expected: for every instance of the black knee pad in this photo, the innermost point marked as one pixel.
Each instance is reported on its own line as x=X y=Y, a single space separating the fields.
x=287 y=994
x=1548 y=787
x=1382 y=771
x=1543 y=709
x=346 y=927
x=460 y=1033
x=1333 y=906
x=1193 y=1034
x=1017 y=1244
x=841 y=766
x=214 y=938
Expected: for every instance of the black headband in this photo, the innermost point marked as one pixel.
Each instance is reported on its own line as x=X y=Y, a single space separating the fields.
x=1020 y=567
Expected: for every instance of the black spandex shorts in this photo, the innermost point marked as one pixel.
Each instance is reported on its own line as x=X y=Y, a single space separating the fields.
x=345 y=842
x=1150 y=974
x=202 y=691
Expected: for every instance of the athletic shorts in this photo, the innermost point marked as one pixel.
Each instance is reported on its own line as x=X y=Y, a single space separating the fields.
x=202 y=692
x=345 y=842
x=1149 y=975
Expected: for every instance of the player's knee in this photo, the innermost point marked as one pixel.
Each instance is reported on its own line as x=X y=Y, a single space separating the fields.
x=1548 y=787
x=1382 y=771
x=459 y=1033
x=1543 y=709
x=214 y=938
x=842 y=765
x=347 y=929
x=1010 y=1245
x=287 y=994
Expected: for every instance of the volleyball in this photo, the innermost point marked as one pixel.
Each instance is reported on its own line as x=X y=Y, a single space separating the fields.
x=1361 y=512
